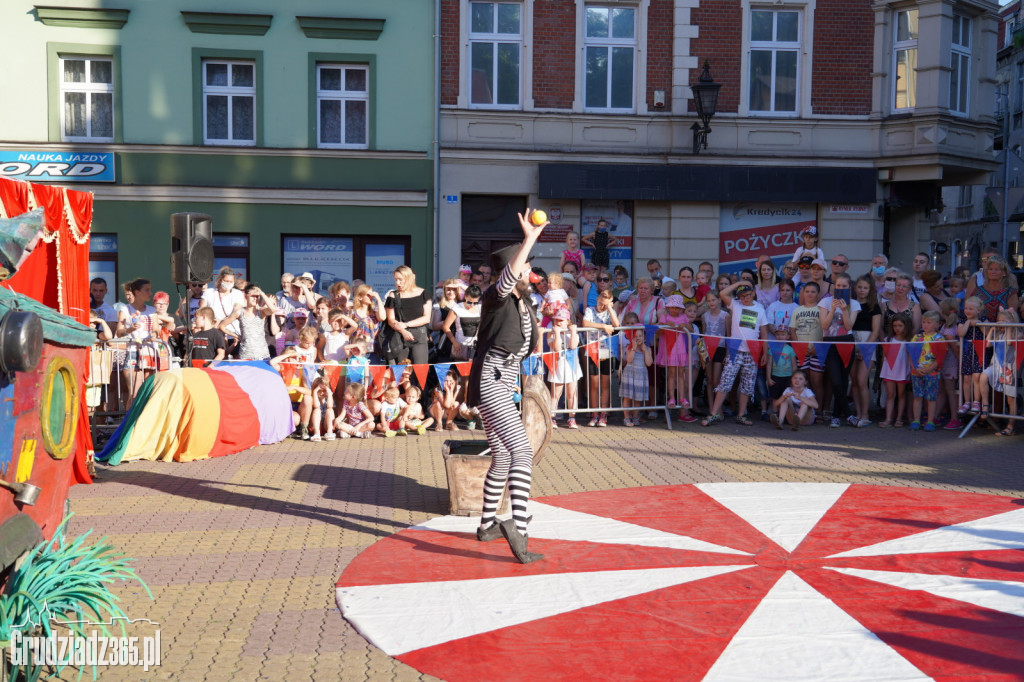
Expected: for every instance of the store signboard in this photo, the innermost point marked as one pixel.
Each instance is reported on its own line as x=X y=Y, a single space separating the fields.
x=328 y=259
x=747 y=230
x=43 y=166
x=381 y=261
x=619 y=215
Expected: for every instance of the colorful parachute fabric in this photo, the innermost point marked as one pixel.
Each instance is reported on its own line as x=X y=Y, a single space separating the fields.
x=188 y=414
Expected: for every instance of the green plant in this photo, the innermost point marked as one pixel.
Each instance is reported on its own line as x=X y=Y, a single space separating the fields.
x=63 y=577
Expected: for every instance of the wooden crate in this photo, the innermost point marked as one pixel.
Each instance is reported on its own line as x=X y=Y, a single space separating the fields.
x=466 y=463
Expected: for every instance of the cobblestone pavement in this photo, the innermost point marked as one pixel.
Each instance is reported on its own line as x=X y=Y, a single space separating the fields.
x=242 y=553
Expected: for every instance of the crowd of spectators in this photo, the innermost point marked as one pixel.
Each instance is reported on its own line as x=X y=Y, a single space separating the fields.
x=784 y=346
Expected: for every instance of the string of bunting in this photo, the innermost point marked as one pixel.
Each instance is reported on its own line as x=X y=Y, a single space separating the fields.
x=381 y=375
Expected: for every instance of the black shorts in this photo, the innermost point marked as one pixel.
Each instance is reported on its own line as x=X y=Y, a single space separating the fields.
x=607 y=366
x=781 y=384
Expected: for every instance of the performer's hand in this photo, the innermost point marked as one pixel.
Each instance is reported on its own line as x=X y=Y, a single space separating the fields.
x=529 y=229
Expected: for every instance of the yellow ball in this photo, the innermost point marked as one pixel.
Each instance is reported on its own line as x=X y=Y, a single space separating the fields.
x=538 y=217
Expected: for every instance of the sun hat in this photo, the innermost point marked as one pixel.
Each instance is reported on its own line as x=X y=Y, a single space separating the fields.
x=674 y=301
x=562 y=314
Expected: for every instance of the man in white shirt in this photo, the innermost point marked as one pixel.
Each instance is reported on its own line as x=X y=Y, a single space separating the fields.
x=919 y=265
x=98 y=292
x=749 y=323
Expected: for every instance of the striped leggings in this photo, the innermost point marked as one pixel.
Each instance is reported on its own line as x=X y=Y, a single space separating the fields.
x=511 y=453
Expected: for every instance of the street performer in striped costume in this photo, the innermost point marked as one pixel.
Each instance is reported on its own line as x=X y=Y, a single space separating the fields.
x=508 y=332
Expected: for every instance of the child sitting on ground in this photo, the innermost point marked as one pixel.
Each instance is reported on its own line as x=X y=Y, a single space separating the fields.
x=392 y=413
x=414 y=417
x=354 y=419
x=796 y=404
x=446 y=406
x=323 y=409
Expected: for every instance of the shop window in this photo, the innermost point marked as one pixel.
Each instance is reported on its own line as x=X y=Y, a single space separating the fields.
x=103 y=263
x=329 y=259
x=231 y=250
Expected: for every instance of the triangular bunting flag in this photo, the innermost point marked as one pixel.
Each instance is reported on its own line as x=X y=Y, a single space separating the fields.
x=754 y=348
x=464 y=368
x=593 y=354
x=867 y=351
x=939 y=350
x=800 y=348
x=615 y=345
x=979 y=350
x=288 y=371
x=892 y=353
x=532 y=365
x=398 y=371
x=711 y=343
x=669 y=337
x=441 y=370
x=333 y=374
x=732 y=345
x=999 y=349
x=308 y=374
x=914 y=350
x=356 y=374
x=549 y=360
x=845 y=351
x=379 y=375
x=649 y=331
x=199 y=363
x=821 y=350
x=1019 y=346
x=776 y=348
x=420 y=372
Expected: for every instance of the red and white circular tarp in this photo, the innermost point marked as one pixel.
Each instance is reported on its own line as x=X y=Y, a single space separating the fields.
x=717 y=581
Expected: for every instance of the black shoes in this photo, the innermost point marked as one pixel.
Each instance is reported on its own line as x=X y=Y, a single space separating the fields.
x=517 y=542
x=491 y=532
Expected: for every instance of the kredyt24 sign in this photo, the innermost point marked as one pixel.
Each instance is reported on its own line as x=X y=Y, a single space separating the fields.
x=747 y=230
x=39 y=166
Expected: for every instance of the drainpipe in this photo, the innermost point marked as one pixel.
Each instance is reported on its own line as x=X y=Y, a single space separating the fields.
x=437 y=140
x=1006 y=171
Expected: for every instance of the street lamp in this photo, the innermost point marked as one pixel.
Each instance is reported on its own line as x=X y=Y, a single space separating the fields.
x=705 y=99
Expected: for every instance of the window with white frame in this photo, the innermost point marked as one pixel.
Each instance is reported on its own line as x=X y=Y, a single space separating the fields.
x=343 y=106
x=495 y=54
x=960 y=65
x=229 y=102
x=609 y=59
x=905 y=60
x=87 y=99
x=774 y=61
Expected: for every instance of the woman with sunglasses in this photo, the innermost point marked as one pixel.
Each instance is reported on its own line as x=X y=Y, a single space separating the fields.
x=451 y=292
x=461 y=324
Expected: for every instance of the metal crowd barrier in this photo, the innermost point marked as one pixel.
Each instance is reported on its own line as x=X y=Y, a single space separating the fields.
x=116 y=370
x=1000 y=358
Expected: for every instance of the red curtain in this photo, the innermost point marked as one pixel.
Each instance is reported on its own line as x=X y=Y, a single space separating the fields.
x=57 y=272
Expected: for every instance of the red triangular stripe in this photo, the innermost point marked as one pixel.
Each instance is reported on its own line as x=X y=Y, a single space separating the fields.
x=711 y=343
x=845 y=351
x=891 y=352
x=800 y=348
x=420 y=372
x=979 y=350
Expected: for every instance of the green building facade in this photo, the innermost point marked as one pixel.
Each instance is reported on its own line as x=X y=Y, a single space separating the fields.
x=304 y=129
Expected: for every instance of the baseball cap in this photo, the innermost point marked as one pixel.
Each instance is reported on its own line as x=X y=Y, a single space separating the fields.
x=805 y=261
x=465 y=268
x=744 y=289
x=810 y=229
x=562 y=314
x=820 y=263
x=300 y=312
